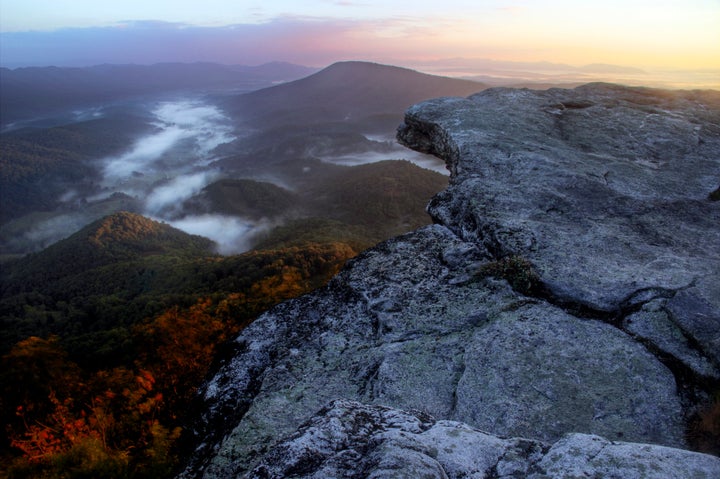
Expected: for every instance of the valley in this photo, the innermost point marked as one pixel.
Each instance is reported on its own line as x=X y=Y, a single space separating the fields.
x=153 y=156
x=191 y=211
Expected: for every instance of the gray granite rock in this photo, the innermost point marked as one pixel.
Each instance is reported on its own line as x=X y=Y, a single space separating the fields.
x=604 y=192
x=603 y=188
x=350 y=439
x=410 y=324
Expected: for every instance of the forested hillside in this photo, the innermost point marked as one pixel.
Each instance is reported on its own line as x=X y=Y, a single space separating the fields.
x=39 y=165
x=107 y=334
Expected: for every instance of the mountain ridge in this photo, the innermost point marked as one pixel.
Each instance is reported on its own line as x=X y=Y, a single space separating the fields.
x=40 y=91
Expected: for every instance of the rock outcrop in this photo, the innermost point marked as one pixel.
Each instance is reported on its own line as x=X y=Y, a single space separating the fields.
x=350 y=439
x=604 y=189
x=569 y=294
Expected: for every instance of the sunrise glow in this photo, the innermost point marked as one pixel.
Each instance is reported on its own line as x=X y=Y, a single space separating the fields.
x=669 y=34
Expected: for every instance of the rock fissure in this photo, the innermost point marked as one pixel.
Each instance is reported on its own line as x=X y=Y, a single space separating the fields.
x=693 y=388
x=459 y=377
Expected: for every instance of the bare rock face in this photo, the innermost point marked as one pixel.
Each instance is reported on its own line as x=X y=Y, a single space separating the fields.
x=605 y=189
x=349 y=439
x=568 y=296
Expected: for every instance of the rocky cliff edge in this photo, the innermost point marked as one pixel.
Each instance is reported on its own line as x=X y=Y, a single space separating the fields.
x=568 y=294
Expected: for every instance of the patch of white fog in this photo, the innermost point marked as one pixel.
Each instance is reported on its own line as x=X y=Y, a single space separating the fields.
x=168 y=197
x=429 y=162
x=51 y=230
x=142 y=158
x=205 y=123
x=232 y=235
x=88 y=114
x=169 y=166
x=398 y=152
x=186 y=133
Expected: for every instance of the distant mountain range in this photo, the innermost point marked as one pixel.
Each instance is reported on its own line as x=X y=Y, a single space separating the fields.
x=293 y=128
x=484 y=65
x=35 y=91
x=343 y=91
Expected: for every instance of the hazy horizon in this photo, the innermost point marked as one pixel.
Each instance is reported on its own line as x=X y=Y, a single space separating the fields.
x=669 y=38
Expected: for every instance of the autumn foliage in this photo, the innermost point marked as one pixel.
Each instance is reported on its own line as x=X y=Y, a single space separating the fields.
x=106 y=336
x=121 y=421
x=105 y=422
x=71 y=420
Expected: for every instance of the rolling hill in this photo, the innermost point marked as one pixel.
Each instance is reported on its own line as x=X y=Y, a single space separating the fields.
x=242 y=197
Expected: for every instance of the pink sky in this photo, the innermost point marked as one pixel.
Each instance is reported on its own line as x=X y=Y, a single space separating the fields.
x=652 y=35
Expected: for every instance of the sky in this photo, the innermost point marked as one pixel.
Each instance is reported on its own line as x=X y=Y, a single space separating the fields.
x=654 y=34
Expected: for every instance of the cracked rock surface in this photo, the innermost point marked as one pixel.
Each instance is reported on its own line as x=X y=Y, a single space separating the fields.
x=604 y=190
x=350 y=439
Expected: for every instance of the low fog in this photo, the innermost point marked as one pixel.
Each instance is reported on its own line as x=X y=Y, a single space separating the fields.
x=169 y=164
x=397 y=151
x=186 y=133
x=232 y=234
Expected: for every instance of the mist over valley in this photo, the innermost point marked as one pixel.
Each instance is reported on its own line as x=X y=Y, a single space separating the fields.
x=359 y=239
x=159 y=153
x=142 y=229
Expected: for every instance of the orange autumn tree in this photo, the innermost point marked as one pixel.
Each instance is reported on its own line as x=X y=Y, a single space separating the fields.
x=68 y=422
x=57 y=433
x=35 y=373
x=179 y=346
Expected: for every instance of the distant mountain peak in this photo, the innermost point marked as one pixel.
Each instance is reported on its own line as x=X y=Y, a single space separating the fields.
x=364 y=64
x=348 y=90
x=355 y=67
